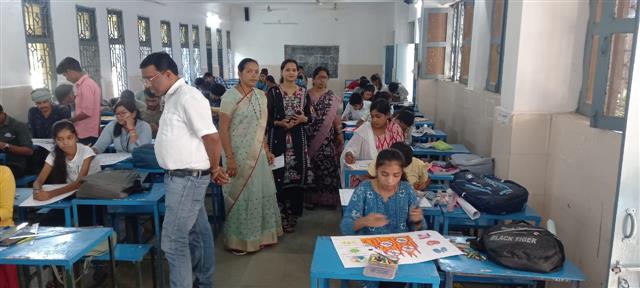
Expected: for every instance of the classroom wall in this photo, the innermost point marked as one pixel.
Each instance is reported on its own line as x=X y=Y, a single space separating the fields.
x=530 y=128
x=14 y=73
x=361 y=30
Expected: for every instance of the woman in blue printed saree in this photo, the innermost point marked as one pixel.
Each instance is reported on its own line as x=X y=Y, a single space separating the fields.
x=253 y=218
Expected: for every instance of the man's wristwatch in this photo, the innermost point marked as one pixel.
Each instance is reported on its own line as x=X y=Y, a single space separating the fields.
x=6 y=146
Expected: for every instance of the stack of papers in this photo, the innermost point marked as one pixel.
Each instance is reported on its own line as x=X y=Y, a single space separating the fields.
x=45 y=143
x=350 y=122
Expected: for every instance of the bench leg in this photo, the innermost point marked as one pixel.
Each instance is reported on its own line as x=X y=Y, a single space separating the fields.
x=70 y=280
x=40 y=280
x=112 y=262
x=139 y=276
x=448 y=280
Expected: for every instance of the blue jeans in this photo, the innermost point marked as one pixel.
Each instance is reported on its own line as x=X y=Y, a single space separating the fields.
x=187 y=240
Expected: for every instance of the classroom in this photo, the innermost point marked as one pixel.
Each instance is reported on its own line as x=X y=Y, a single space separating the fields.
x=319 y=143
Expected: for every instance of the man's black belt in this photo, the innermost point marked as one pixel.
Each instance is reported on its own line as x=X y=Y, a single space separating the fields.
x=187 y=172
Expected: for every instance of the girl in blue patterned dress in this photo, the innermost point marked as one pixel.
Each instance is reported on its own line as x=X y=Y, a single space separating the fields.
x=386 y=204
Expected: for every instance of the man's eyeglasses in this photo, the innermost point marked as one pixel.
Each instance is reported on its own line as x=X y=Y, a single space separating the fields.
x=147 y=81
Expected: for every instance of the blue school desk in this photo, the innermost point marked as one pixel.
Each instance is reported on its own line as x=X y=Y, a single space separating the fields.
x=420 y=123
x=437 y=135
x=461 y=218
x=431 y=152
x=127 y=164
x=462 y=269
x=348 y=172
x=150 y=200
x=23 y=193
x=327 y=265
x=61 y=250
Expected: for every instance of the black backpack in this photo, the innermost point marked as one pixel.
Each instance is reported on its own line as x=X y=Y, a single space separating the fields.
x=489 y=194
x=523 y=247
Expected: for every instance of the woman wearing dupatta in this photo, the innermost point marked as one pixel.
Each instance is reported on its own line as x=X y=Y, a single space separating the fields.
x=325 y=140
x=253 y=219
x=288 y=117
x=372 y=137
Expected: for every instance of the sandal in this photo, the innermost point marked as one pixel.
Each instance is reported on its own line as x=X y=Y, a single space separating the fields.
x=239 y=252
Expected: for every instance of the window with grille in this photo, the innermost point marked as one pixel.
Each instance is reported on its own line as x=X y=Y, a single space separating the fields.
x=184 y=49
x=608 y=60
x=436 y=47
x=230 y=56
x=39 y=39
x=117 y=52
x=220 y=59
x=88 y=40
x=195 y=35
x=498 y=24
x=165 y=37
x=144 y=37
x=461 y=41
x=207 y=40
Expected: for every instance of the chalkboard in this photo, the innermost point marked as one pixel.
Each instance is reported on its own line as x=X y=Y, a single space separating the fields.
x=311 y=57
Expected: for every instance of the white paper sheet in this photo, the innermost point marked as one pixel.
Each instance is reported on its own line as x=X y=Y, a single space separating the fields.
x=468 y=209
x=424 y=203
x=350 y=123
x=410 y=248
x=111 y=158
x=278 y=162
x=345 y=196
x=360 y=165
x=30 y=202
x=45 y=143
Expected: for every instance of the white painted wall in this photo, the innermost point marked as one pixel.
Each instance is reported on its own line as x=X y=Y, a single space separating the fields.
x=14 y=71
x=361 y=31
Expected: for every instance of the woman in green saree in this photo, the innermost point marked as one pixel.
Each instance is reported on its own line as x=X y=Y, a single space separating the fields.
x=253 y=218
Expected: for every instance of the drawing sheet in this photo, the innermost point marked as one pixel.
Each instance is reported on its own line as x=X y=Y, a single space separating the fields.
x=111 y=158
x=30 y=202
x=410 y=248
x=45 y=143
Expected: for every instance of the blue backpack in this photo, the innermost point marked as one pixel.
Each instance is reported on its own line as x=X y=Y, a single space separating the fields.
x=145 y=157
x=489 y=194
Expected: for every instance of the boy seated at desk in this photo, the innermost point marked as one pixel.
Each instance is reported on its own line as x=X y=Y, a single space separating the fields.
x=415 y=169
x=356 y=109
x=405 y=118
x=127 y=132
x=66 y=164
x=383 y=205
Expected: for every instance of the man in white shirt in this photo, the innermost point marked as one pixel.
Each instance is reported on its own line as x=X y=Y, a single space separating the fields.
x=188 y=148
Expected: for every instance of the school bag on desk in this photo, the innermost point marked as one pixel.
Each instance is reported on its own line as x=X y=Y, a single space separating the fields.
x=474 y=163
x=110 y=184
x=489 y=194
x=523 y=247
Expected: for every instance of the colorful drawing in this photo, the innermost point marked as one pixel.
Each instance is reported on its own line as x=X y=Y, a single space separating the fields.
x=409 y=248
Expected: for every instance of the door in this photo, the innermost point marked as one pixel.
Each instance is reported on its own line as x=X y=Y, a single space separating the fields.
x=388 y=63
x=404 y=67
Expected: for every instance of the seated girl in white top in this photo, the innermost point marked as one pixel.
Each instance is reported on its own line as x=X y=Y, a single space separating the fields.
x=127 y=132
x=67 y=163
x=372 y=137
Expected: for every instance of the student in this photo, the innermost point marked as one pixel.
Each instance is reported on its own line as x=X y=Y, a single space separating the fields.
x=42 y=117
x=355 y=83
x=380 y=95
x=398 y=92
x=203 y=86
x=153 y=112
x=367 y=92
x=377 y=83
x=69 y=161
x=8 y=273
x=126 y=132
x=356 y=109
x=127 y=95
x=88 y=97
x=209 y=78
x=15 y=142
x=392 y=194
x=66 y=98
x=363 y=83
x=373 y=136
x=405 y=119
x=302 y=80
x=271 y=82
x=262 y=81
x=415 y=169
x=217 y=91
x=384 y=205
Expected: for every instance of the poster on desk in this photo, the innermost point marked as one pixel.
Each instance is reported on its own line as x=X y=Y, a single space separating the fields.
x=410 y=248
